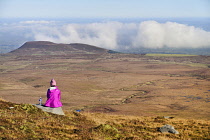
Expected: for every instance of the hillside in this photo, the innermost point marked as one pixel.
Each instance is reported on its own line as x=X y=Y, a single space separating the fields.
x=24 y=121
x=121 y=96
x=50 y=48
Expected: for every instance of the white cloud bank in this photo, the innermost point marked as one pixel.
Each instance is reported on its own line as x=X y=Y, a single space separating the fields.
x=155 y=35
x=35 y=22
x=117 y=35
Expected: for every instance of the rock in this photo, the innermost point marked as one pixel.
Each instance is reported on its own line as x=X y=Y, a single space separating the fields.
x=168 y=129
x=57 y=110
x=167 y=117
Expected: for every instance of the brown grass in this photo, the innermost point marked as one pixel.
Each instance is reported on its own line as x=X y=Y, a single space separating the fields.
x=25 y=121
x=110 y=86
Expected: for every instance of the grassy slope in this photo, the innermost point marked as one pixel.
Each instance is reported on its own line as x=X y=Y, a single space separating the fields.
x=25 y=121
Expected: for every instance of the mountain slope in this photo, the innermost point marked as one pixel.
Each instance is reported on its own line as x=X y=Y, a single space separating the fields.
x=50 y=48
x=24 y=121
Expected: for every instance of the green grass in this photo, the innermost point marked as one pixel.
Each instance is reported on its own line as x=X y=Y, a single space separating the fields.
x=25 y=121
x=169 y=55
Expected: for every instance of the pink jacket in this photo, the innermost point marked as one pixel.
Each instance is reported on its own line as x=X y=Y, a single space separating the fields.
x=53 y=97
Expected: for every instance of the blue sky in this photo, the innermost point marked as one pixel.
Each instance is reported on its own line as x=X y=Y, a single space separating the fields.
x=104 y=8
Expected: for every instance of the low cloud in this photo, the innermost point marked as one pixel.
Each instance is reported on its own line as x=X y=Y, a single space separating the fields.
x=117 y=35
x=35 y=22
x=152 y=34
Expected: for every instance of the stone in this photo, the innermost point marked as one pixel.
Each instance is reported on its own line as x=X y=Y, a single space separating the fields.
x=168 y=129
x=167 y=117
x=57 y=110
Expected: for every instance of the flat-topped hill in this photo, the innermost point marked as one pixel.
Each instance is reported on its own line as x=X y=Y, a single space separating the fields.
x=50 y=48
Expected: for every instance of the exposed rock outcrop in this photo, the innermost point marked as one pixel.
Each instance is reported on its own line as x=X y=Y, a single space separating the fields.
x=57 y=110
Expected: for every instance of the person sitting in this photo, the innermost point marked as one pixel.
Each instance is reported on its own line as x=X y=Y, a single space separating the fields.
x=53 y=96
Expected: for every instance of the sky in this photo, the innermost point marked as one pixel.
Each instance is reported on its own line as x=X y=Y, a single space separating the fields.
x=110 y=24
x=104 y=8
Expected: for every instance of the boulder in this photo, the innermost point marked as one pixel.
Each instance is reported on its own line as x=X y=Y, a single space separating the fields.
x=57 y=110
x=168 y=129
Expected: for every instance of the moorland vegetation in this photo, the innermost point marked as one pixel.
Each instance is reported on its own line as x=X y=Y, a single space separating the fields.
x=121 y=96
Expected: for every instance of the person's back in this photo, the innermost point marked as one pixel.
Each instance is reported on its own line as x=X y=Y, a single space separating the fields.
x=53 y=95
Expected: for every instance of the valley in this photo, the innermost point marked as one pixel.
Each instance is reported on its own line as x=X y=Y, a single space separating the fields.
x=113 y=83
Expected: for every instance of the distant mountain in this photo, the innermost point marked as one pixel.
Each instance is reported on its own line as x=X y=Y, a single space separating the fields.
x=50 y=48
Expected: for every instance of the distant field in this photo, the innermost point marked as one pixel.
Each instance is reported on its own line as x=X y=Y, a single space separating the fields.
x=121 y=84
x=167 y=55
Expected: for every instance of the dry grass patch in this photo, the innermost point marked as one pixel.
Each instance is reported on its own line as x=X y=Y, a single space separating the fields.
x=24 y=121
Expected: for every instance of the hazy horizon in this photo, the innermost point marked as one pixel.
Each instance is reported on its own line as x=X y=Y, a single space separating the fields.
x=115 y=34
x=116 y=25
